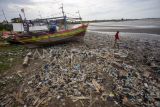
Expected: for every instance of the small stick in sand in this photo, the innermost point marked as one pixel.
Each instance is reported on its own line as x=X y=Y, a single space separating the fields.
x=26 y=59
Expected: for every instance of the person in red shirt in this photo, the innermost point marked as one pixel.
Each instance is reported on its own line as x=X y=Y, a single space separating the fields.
x=116 y=39
x=117 y=36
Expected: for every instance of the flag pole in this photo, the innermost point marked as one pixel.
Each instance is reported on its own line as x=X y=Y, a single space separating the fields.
x=64 y=16
x=80 y=17
x=22 y=10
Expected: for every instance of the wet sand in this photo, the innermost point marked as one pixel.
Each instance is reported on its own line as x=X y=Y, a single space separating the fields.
x=128 y=30
x=151 y=26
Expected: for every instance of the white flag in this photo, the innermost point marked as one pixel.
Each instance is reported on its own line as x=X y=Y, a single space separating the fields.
x=22 y=10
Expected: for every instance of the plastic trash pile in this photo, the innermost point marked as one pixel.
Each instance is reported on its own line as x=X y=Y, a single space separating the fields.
x=89 y=74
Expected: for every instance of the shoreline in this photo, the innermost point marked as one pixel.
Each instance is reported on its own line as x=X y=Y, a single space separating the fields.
x=148 y=30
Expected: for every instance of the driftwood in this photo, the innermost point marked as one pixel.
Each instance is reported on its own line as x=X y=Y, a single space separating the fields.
x=74 y=99
x=26 y=59
x=97 y=86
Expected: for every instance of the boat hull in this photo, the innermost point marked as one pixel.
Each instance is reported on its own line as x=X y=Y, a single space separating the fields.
x=75 y=34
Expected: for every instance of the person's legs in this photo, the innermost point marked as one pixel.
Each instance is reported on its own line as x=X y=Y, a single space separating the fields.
x=115 y=43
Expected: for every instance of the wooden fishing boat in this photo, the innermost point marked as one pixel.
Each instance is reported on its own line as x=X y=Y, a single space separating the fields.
x=57 y=31
x=42 y=38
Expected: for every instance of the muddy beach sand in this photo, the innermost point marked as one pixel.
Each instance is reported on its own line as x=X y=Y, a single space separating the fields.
x=133 y=30
x=90 y=73
x=150 y=26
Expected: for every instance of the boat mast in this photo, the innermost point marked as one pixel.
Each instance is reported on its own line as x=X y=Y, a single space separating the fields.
x=25 y=23
x=40 y=15
x=62 y=10
x=4 y=15
x=26 y=27
x=5 y=18
x=21 y=21
x=64 y=16
x=80 y=16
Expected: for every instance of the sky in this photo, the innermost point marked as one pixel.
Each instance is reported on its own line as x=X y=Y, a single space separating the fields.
x=89 y=9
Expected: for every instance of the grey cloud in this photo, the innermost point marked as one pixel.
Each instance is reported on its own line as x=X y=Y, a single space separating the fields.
x=90 y=9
